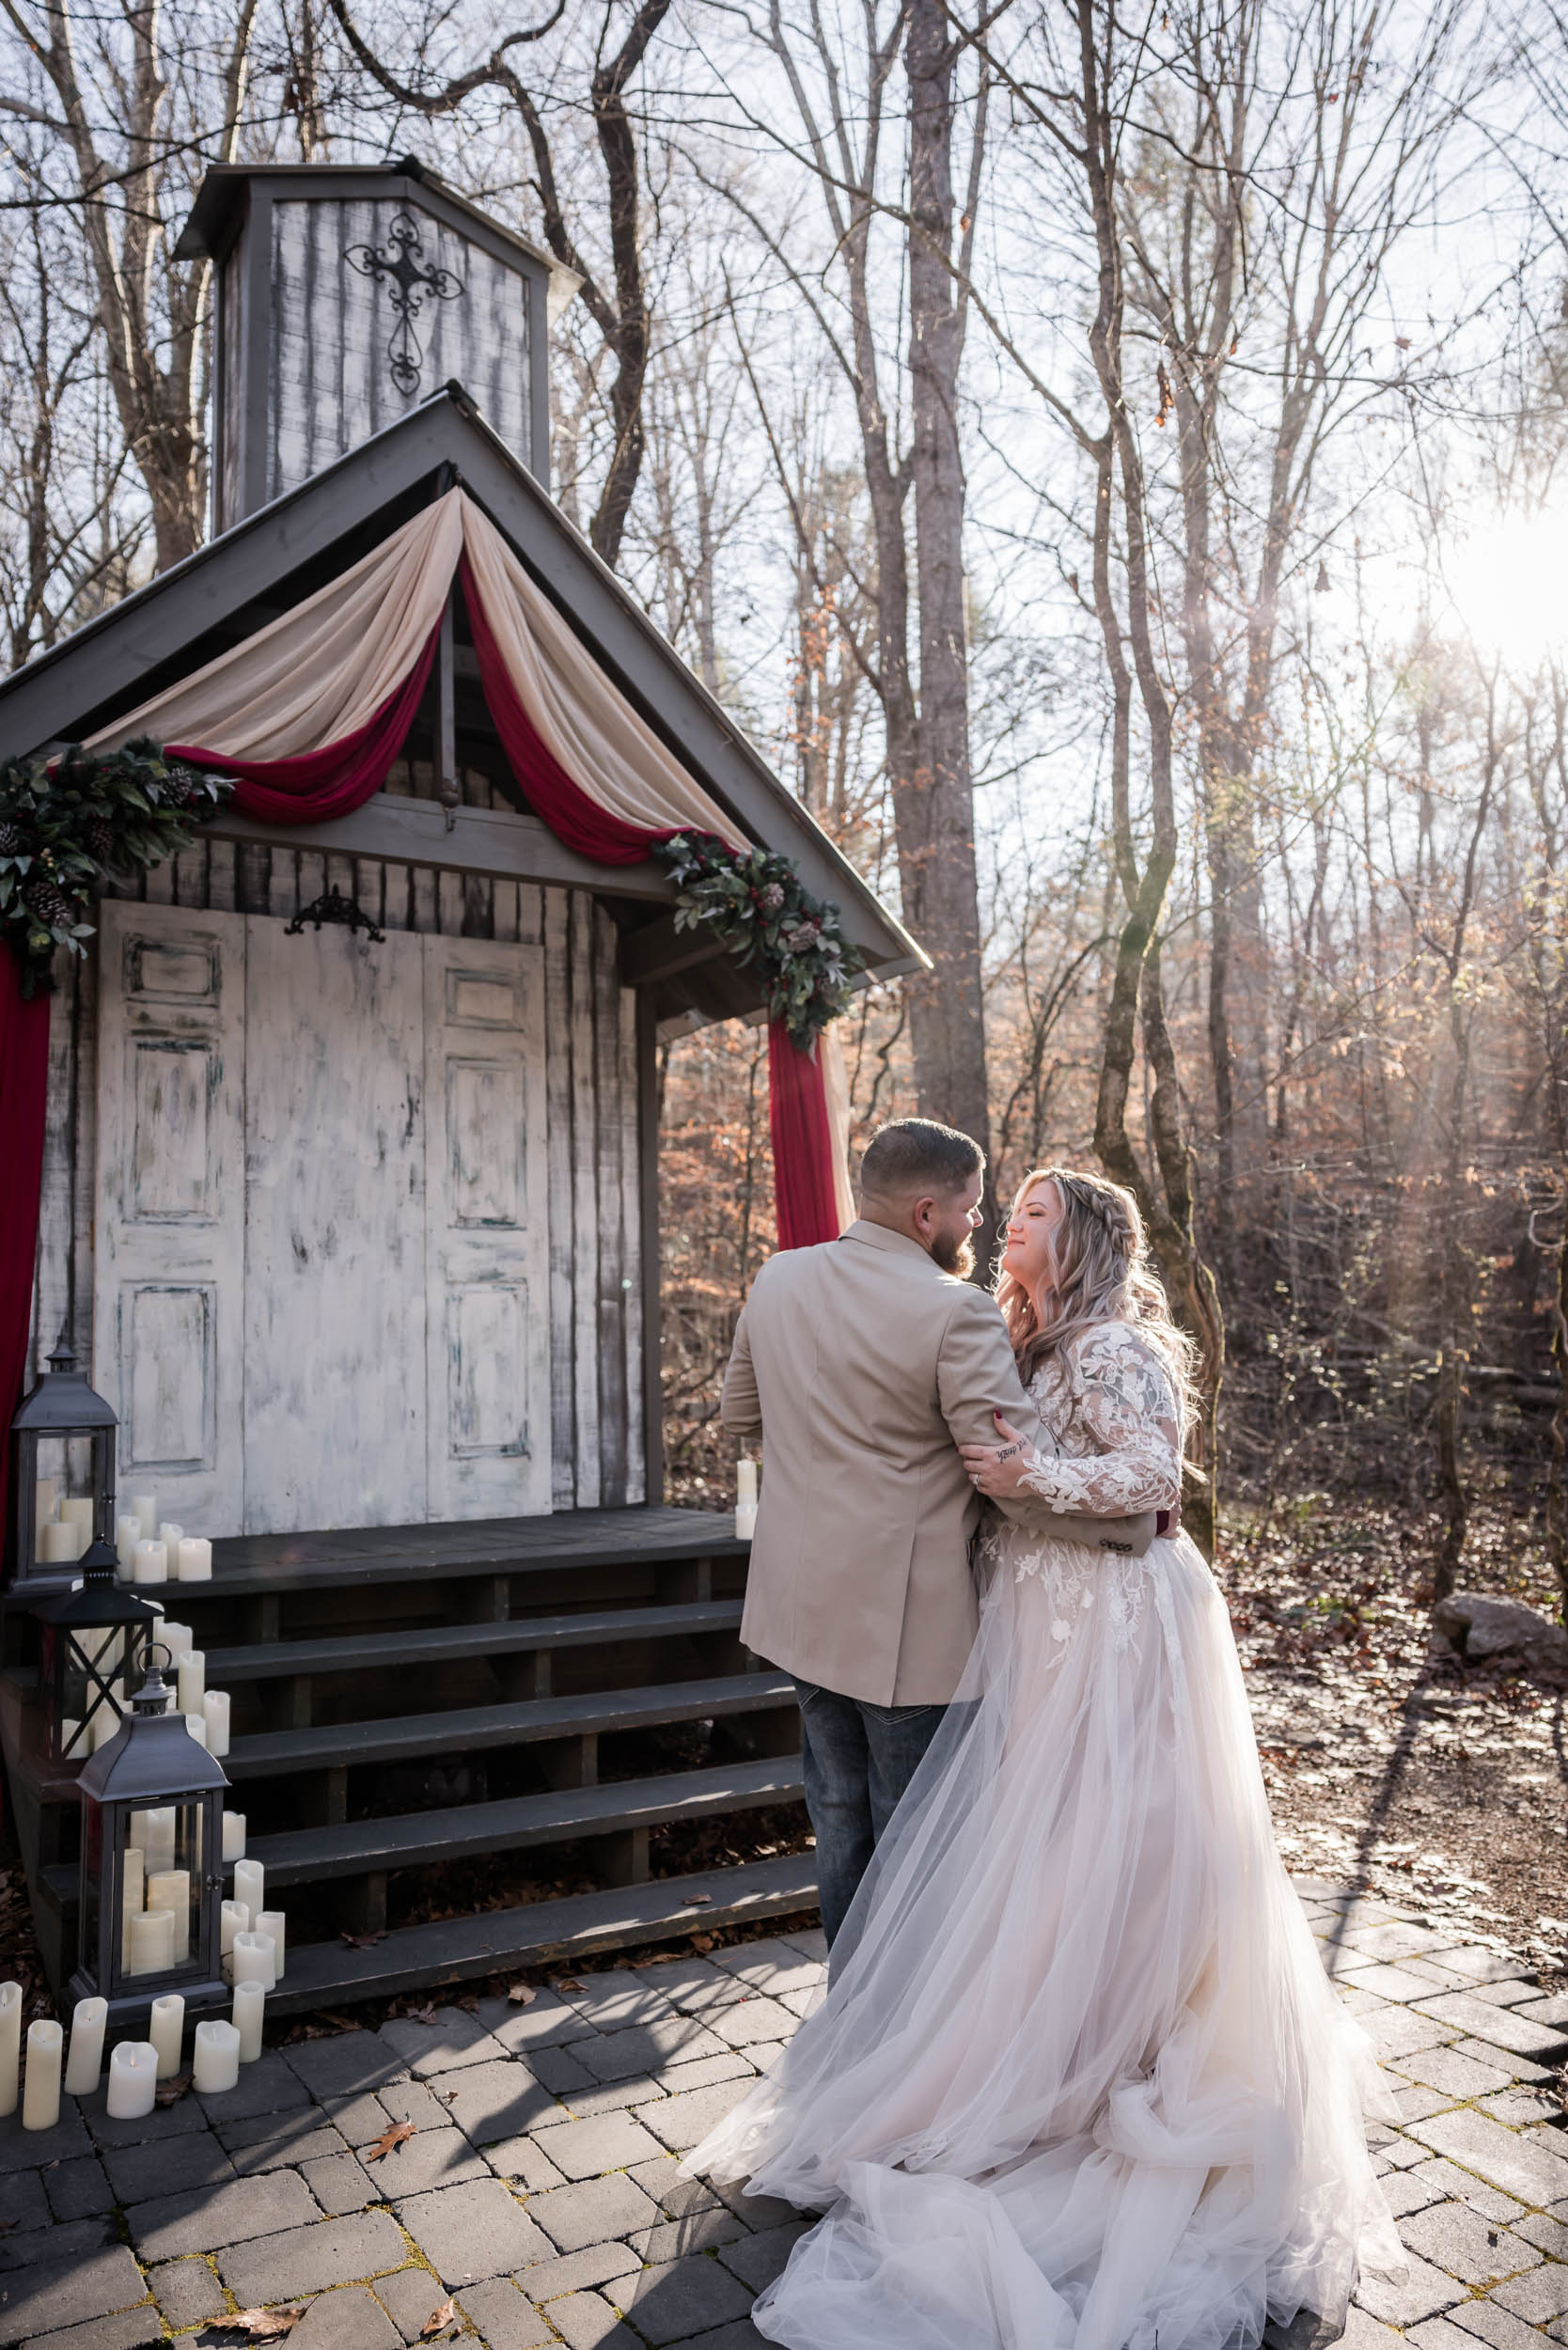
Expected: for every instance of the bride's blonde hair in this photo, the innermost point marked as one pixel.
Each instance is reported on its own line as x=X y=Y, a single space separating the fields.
x=1103 y=1274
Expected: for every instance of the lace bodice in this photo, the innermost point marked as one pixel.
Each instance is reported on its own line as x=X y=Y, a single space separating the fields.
x=1109 y=1403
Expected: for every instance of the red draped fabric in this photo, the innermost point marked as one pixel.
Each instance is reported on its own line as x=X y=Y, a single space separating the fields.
x=333 y=781
x=550 y=791
x=803 y=1196
x=24 y=1072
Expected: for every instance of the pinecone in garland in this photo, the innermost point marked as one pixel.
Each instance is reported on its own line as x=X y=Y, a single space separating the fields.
x=47 y=902
x=97 y=839
x=14 y=840
x=179 y=788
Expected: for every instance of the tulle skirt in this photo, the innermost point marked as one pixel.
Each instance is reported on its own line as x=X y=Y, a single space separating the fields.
x=1079 y=2078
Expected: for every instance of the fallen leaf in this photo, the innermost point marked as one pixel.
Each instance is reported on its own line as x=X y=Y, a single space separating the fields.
x=566 y=1982
x=697 y=1900
x=470 y=2004
x=419 y=2015
x=703 y=1941
x=442 y=2315
x=258 y=2322
x=523 y=1995
x=364 y=1941
x=170 y=2092
x=390 y=2138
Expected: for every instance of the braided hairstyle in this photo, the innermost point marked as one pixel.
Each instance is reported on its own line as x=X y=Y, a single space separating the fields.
x=1103 y=1274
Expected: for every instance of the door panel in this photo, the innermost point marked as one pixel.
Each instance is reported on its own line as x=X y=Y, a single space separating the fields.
x=169 y=1266
x=488 y=1418
x=335 y=1260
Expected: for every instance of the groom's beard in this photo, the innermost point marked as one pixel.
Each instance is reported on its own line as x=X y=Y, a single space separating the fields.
x=955 y=1256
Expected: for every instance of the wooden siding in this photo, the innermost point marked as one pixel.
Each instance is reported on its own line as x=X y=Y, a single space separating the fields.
x=595 y=1270
x=330 y=373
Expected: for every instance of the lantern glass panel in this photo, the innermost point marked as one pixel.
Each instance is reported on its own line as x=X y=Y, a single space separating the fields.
x=90 y=1662
x=166 y=1931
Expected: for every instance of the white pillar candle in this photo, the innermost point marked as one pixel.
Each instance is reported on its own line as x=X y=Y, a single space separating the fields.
x=194 y=1562
x=78 y=1510
x=171 y=1536
x=745 y=1521
x=170 y=1889
x=176 y=1638
x=233 y=1919
x=165 y=2031
x=145 y=1507
x=249 y=1886
x=128 y=1533
x=271 y=1921
x=132 y=2080
x=11 y=2044
x=254 y=1960
x=40 y=2086
x=745 y=1481
x=250 y=2003
x=197 y=1725
x=56 y=1543
x=132 y=1897
x=85 y=2058
x=150 y=1564
x=152 y=1942
x=158 y=1837
x=193 y=1681
x=234 y=1836
x=46 y=1499
x=218 y=2058
x=214 y=1707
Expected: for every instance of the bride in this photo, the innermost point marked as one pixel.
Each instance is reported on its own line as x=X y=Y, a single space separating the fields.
x=1079 y=2081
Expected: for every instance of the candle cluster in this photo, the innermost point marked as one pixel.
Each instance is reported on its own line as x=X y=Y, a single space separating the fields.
x=158 y=1551
x=64 y=1523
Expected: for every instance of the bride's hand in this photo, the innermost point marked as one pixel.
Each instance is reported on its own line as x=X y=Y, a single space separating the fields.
x=997 y=1470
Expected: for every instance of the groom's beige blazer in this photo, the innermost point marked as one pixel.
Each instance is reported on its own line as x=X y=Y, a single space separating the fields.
x=863 y=1367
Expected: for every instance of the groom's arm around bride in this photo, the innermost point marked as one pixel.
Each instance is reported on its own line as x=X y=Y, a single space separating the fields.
x=864 y=1364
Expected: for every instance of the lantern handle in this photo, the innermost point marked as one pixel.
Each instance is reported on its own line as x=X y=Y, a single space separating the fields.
x=152 y=1696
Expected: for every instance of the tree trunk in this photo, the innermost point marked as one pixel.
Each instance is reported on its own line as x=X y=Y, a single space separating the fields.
x=937 y=819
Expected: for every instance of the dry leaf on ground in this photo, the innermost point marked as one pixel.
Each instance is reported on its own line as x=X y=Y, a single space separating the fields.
x=419 y=2014
x=697 y=1900
x=390 y=2138
x=442 y=2315
x=364 y=1941
x=523 y=1995
x=566 y=1982
x=169 y=2092
x=259 y=2323
x=703 y=1941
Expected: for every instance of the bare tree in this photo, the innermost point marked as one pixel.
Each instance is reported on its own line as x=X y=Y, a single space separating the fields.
x=619 y=308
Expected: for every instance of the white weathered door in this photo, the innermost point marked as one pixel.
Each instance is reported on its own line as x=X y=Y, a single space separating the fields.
x=169 y=1275
x=323 y=1260
x=487 y=1429
x=335 y=1250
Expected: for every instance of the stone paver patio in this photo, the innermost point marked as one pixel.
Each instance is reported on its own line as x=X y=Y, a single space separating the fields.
x=538 y=2187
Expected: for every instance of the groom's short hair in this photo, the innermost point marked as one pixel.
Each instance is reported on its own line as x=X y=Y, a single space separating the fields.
x=911 y=1156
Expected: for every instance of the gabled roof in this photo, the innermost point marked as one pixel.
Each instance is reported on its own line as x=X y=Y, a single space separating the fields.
x=228 y=587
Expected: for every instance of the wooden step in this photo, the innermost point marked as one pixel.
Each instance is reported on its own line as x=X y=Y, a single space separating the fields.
x=460 y=1950
x=368 y=1652
x=416 y=1838
x=247 y=1564
x=471 y=1729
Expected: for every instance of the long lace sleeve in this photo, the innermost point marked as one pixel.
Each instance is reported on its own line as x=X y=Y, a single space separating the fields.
x=1125 y=1406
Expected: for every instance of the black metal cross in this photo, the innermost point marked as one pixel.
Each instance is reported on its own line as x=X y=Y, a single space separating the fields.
x=410 y=280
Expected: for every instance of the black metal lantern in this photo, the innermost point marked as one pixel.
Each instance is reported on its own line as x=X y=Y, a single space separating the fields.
x=91 y=1638
x=152 y=1877
x=62 y=1453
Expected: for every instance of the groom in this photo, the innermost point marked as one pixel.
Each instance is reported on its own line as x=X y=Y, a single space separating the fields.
x=863 y=1364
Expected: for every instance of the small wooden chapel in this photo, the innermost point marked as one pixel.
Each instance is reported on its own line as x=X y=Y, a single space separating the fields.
x=349 y=1204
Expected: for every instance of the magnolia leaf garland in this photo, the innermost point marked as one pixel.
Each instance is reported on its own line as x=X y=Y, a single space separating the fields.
x=70 y=823
x=753 y=901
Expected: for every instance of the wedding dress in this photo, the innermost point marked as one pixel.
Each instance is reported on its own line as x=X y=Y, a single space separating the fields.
x=1079 y=2081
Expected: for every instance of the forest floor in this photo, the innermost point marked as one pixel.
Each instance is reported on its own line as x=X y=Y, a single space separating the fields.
x=1389 y=1764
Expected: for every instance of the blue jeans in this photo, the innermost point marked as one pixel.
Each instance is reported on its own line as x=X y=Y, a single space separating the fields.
x=859 y=1760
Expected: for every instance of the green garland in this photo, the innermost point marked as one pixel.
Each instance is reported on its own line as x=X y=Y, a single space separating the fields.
x=754 y=904
x=70 y=823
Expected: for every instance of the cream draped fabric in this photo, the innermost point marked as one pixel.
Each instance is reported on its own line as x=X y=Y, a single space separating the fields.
x=321 y=672
x=837 y=1092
